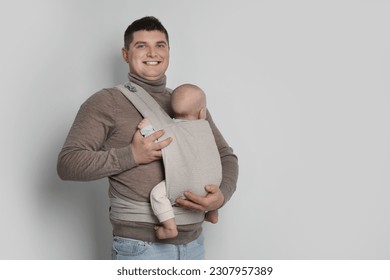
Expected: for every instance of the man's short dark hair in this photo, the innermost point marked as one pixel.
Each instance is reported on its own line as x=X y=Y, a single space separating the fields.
x=148 y=23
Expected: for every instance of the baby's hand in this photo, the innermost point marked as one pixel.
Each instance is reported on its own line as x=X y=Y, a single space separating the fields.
x=143 y=123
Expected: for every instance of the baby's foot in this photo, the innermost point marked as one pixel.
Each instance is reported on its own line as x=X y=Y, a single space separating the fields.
x=165 y=233
x=211 y=216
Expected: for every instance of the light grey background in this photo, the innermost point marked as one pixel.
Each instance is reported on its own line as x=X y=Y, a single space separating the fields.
x=300 y=89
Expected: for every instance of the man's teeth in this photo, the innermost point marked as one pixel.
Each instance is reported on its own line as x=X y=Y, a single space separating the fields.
x=151 y=62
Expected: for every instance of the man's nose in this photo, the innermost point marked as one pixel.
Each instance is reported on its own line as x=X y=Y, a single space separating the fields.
x=151 y=52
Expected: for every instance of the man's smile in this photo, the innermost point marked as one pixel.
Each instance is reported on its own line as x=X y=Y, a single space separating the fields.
x=152 y=62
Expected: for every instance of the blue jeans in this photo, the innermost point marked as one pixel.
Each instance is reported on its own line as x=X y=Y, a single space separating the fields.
x=131 y=249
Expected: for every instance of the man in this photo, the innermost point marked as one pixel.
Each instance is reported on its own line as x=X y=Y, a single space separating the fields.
x=104 y=141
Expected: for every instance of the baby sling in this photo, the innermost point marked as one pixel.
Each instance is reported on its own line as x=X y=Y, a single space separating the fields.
x=191 y=161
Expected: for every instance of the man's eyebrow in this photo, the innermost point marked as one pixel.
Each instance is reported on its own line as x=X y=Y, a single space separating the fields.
x=139 y=42
x=144 y=42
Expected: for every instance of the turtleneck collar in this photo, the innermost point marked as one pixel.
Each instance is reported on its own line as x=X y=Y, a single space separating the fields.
x=158 y=86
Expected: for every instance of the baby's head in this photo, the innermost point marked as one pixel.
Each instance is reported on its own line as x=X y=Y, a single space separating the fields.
x=189 y=102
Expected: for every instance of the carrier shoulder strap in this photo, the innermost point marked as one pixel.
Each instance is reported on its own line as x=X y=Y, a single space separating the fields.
x=146 y=105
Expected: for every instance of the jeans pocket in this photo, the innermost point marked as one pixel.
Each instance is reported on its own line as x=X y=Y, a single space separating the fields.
x=129 y=247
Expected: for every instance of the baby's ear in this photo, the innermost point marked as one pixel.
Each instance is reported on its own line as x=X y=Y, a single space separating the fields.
x=202 y=114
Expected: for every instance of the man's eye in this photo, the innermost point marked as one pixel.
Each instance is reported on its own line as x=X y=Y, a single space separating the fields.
x=140 y=46
x=161 y=45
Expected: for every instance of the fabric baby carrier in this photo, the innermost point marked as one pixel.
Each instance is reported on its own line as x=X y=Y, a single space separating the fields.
x=191 y=161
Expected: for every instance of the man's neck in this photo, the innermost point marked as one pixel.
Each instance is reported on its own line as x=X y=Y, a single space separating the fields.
x=158 y=86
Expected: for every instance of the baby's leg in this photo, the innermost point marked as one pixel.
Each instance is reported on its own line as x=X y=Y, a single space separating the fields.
x=211 y=216
x=162 y=208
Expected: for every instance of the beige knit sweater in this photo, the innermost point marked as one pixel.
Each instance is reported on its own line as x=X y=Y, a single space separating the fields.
x=98 y=146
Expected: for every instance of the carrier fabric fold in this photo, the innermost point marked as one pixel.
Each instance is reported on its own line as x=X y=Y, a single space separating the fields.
x=191 y=161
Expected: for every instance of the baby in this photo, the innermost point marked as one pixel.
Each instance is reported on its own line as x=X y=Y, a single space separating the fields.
x=188 y=103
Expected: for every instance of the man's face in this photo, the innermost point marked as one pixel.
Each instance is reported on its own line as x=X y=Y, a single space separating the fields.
x=148 y=54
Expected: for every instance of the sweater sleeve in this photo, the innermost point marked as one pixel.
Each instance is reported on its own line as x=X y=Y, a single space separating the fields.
x=229 y=162
x=83 y=156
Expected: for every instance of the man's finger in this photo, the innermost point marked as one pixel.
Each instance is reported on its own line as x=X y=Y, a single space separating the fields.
x=157 y=154
x=190 y=205
x=155 y=135
x=162 y=144
x=137 y=136
x=199 y=200
x=211 y=188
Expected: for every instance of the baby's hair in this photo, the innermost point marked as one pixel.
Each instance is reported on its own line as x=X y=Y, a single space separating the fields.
x=187 y=101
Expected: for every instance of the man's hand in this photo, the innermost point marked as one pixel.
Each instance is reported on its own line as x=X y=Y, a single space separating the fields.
x=211 y=201
x=146 y=149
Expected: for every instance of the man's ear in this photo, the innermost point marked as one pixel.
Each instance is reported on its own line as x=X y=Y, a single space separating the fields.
x=202 y=113
x=125 y=55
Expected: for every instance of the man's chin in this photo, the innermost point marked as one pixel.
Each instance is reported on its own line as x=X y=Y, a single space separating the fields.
x=153 y=76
